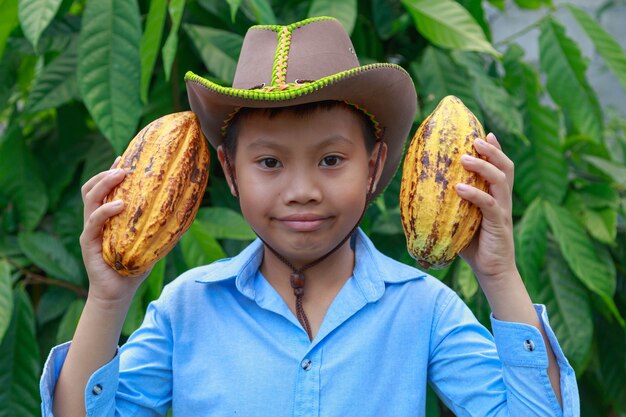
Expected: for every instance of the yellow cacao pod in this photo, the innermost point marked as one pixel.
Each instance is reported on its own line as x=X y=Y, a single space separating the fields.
x=168 y=168
x=437 y=222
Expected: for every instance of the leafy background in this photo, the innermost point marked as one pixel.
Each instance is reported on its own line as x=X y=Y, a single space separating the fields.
x=78 y=78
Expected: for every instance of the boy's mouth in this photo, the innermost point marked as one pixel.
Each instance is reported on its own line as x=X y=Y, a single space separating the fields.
x=305 y=222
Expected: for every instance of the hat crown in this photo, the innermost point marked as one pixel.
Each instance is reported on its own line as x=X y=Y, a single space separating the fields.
x=308 y=50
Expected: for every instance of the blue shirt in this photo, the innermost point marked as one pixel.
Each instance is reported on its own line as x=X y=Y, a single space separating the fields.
x=220 y=341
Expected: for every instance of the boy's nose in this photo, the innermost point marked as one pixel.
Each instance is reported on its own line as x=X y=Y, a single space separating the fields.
x=302 y=188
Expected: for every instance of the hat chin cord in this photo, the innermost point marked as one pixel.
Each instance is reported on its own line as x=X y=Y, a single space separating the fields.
x=297 y=274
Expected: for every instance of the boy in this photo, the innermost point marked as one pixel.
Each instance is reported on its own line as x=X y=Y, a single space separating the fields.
x=310 y=319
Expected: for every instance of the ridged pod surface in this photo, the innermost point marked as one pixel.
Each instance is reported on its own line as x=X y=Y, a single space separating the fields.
x=437 y=222
x=168 y=168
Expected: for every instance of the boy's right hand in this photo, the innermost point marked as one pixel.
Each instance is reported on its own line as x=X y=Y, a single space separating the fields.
x=105 y=284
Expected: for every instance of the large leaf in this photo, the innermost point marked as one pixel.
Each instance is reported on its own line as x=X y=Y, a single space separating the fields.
x=615 y=171
x=541 y=169
x=199 y=247
x=259 y=11
x=49 y=254
x=150 y=43
x=53 y=303
x=447 y=24
x=219 y=49
x=438 y=77
x=224 y=223
x=35 y=16
x=19 y=363
x=20 y=181
x=569 y=309
x=521 y=79
x=533 y=4
x=475 y=7
x=496 y=103
x=8 y=21
x=579 y=251
x=109 y=67
x=175 y=9
x=69 y=322
x=565 y=68
x=234 y=6
x=530 y=245
x=384 y=16
x=606 y=45
x=343 y=10
x=57 y=83
x=465 y=280
x=6 y=297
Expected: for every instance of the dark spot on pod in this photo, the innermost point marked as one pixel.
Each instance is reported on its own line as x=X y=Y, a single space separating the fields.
x=149 y=167
x=135 y=218
x=455 y=227
x=196 y=175
x=424 y=264
x=423 y=175
x=425 y=160
x=440 y=177
x=420 y=198
x=118 y=261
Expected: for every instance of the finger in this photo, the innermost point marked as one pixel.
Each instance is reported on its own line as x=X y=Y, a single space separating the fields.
x=496 y=157
x=498 y=181
x=96 y=178
x=95 y=197
x=94 y=223
x=491 y=138
x=486 y=202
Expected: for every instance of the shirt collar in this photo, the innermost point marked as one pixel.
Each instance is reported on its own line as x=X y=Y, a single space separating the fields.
x=372 y=270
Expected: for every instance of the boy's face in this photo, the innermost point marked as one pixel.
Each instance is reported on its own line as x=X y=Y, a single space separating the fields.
x=302 y=180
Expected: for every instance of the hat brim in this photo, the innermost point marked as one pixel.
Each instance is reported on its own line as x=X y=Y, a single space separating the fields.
x=384 y=90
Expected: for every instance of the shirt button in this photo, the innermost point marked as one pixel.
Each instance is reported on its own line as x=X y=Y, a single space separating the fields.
x=97 y=389
x=529 y=345
x=306 y=364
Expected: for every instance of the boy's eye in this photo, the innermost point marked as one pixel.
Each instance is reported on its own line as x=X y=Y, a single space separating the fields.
x=331 y=160
x=269 y=162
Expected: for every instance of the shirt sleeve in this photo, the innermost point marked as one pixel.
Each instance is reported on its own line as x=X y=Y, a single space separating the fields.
x=475 y=375
x=136 y=382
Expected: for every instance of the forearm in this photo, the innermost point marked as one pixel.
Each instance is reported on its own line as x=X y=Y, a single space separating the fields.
x=509 y=301
x=94 y=345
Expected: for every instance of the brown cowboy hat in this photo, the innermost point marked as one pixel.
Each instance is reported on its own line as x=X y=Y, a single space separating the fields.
x=308 y=61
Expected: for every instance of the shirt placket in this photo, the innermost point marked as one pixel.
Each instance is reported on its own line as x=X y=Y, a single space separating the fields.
x=307 y=390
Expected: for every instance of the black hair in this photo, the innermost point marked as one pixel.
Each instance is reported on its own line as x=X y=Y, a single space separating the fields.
x=301 y=110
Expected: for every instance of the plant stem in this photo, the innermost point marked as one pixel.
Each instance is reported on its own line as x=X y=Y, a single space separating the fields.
x=34 y=278
x=519 y=33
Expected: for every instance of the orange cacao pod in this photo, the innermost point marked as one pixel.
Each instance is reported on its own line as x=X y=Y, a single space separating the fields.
x=167 y=166
x=437 y=222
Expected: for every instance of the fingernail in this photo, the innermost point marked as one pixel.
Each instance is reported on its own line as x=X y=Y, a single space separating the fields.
x=479 y=142
x=118 y=203
x=115 y=171
x=490 y=134
x=462 y=187
x=467 y=158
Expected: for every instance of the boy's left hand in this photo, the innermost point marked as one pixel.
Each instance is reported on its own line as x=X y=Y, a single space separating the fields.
x=491 y=253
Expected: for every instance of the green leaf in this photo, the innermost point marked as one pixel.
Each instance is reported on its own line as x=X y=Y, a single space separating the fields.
x=109 y=67
x=475 y=7
x=53 y=303
x=466 y=281
x=521 y=79
x=447 y=24
x=579 y=252
x=569 y=309
x=19 y=362
x=565 y=68
x=496 y=103
x=218 y=49
x=234 y=6
x=150 y=43
x=343 y=10
x=49 y=254
x=6 y=297
x=438 y=77
x=615 y=171
x=35 y=16
x=533 y=4
x=8 y=21
x=57 y=83
x=499 y=4
x=601 y=224
x=605 y=44
x=541 y=169
x=200 y=247
x=175 y=9
x=530 y=245
x=69 y=322
x=224 y=223
x=260 y=11
x=384 y=16
x=19 y=179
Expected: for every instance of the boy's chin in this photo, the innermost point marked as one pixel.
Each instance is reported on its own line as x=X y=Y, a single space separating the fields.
x=301 y=250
